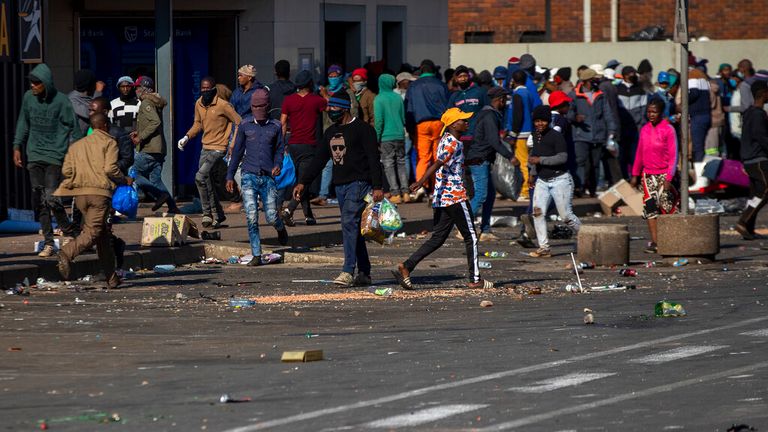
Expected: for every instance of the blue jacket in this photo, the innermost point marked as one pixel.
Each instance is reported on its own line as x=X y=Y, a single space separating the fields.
x=242 y=100
x=528 y=104
x=473 y=99
x=426 y=99
x=262 y=145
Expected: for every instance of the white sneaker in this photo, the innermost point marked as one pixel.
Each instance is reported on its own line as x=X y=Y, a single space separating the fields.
x=344 y=279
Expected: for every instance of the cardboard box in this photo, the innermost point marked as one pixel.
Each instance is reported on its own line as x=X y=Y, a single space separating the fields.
x=161 y=231
x=620 y=192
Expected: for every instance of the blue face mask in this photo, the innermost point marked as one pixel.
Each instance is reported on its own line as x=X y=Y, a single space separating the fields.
x=732 y=82
x=334 y=83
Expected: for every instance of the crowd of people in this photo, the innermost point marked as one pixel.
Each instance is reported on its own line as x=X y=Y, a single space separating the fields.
x=404 y=135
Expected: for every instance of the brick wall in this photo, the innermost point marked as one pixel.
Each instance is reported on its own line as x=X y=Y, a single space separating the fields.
x=717 y=19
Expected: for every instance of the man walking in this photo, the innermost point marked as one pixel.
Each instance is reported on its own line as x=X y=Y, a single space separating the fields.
x=301 y=111
x=754 y=154
x=213 y=117
x=483 y=152
x=425 y=101
x=519 y=123
x=633 y=103
x=549 y=161
x=470 y=98
x=86 y=88
x=280 y=88
x=351 y=144
x=150 y=142
x=125 y=108
x=246 y=85
x=45 y=127
x=389 y=113
x=90 y=175
x=260 y=139
x=363 y=95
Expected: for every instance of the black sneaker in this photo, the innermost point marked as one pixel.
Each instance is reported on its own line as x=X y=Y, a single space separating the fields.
x=255 y=262
x=651 y=248
x=160 y=201
x=526 y=242
x=310 y=221
x=287 y=218
x=207 y=221
x=282 y=236
x=219 y=222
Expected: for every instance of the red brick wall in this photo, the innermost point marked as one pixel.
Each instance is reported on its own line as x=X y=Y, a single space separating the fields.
x=717 y=19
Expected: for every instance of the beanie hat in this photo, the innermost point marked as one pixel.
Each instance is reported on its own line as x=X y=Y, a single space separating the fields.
x=260 y=104
x=542 y=112
x=564 y=73
x=626 y=70
x=124 y=79
x=758 y=86
x=644 y=67
x=527 y=62
x=84 y=80
x=247 y=70
x=334 y=68
x=612 y=64
x=361 y=72
x=341 y=100
x=496 y=92
x=460 y=70
x=303 y=79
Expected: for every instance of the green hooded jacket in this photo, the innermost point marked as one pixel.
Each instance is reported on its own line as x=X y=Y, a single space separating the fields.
x=47 y=123
x=389 y=111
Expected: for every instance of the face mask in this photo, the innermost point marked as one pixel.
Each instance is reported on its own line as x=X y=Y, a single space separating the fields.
x=732 y=82
x=359 y=86
x=616 y=81
x=662 y=90
x=208 y=96
x=740 y=74
x=259 y=113
x=335 y=115
x=633 y=79
x=334 y=83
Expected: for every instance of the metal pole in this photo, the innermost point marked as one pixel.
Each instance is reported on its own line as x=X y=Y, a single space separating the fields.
x=164 y=81
x=587 y=13
x=684 y=131
x=614 y=20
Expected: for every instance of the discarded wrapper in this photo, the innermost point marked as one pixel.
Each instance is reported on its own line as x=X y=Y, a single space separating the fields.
x=302 y=356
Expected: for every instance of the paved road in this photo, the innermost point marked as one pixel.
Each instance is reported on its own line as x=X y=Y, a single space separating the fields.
x=432 y=360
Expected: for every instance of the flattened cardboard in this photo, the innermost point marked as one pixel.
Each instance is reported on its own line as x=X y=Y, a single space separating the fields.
x=302 y=356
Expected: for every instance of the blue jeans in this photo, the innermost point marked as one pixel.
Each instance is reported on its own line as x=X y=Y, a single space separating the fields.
x=485 y=194
x=351 y=203
x=559 y=189
x=325 y=180
x=149 y=170
x=255 y=186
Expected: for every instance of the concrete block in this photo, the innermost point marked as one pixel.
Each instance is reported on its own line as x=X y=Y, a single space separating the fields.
x=604 y=244
x=12 y=274
x=689 y=235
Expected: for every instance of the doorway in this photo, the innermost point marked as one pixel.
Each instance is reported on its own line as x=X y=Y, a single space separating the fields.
x=343 y=44
x=392 y=44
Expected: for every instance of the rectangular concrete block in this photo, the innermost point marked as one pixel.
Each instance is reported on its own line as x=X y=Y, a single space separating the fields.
x=689 y=235
x=604 y=244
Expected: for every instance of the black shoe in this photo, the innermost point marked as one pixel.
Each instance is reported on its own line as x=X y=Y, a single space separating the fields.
x=219 y=222
x=255 y=262
x=526 y=242
x=282 y=236
x=651 y=248
x=310 y=221
x=160 y=201
x=207 y=221
x=287 y=218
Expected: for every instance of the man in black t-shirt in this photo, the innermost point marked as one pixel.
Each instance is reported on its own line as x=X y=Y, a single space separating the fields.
x=351 y=144
x=549 y=161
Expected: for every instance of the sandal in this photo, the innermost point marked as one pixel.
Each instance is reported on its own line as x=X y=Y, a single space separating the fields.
x=404 y=281
x=481 y=284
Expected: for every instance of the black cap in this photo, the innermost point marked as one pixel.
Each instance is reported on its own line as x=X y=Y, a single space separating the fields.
x=497 y=92
x=303 y=79
x=542 y=112
x=460 y=70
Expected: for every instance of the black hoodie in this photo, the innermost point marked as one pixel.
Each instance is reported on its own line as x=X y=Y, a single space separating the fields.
x=278 y=90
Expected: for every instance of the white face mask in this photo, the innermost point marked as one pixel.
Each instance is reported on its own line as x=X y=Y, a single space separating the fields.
x=358 y=85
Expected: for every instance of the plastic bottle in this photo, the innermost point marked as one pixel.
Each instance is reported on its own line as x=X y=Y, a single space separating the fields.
x=241 y=303
x=586 y=265
x=669 y=309
x=165 y=268
x=485 y=264
x=628 y=272
x=681 y=262
x=384 y=292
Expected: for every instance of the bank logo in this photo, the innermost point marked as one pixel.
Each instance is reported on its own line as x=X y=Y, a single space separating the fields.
x=131 y=33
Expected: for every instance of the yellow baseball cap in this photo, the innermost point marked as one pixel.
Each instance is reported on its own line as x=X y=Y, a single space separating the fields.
x=451 y=116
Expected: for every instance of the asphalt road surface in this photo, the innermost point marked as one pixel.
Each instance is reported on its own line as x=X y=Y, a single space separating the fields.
x=157 y=356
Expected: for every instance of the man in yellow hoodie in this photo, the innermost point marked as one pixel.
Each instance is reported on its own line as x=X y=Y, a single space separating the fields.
x=91 y=173
x=213 y=117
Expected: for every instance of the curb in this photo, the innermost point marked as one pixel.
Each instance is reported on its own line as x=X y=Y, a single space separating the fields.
x=146 y=258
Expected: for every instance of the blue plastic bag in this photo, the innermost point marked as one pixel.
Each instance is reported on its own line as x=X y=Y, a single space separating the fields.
x=126 y=200
x=287 y=177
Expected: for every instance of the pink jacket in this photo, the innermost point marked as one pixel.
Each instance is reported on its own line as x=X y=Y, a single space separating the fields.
x=656 y=150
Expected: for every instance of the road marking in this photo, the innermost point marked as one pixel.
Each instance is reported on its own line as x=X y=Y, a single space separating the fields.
x=677 y=354
x=483 y=378
x=423 y=416
x=569 y=380
x=536 y=419
x=758 y=333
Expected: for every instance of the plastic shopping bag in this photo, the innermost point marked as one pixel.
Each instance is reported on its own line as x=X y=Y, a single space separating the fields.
x=370 y=227
x=389 y=218
x=507 y=178
x=287 y=177
x=126 y=200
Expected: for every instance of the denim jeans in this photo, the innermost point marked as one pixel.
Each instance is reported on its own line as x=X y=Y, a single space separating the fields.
x=325 y=180
x=559 y=189
x=45 y=179
x=149 y=175
x=485 y=194
x=255 y=187
x=204 y=182
x=351 y=203
x=393 y=160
